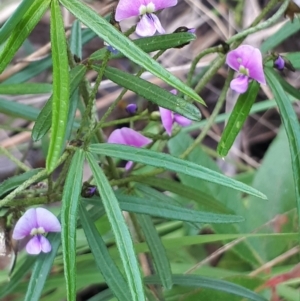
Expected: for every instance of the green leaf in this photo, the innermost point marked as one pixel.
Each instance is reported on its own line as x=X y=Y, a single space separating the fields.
x=116 y=39
x=104 y=262
x=70 y=199
x=13 y=182
x=43 y=122
x=76 y=39
x=150 y=44
x=120 y=230
x=22 y=30
x=291 y=125
x=28 y=88
x=205 y=282
x=158 y=252
x=171 y=211
x=152 y=92
x=18 y=110
x=237 y=118
x=41 y=269
x=169 y=162
x=60 y=100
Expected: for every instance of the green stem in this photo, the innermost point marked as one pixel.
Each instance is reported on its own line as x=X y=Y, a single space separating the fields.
x=212 y=118
x=30 y=181
x=267 y=23
x=10 y=156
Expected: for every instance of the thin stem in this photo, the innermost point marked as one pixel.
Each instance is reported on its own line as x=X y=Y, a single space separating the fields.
x=30 y=181
x=212 y=118
x=10 y=156
x=267 y=23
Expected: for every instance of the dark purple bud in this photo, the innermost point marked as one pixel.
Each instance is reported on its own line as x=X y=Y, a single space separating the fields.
x=131 y=108
x=88 y=191
x=111 y=49
x=279 y=63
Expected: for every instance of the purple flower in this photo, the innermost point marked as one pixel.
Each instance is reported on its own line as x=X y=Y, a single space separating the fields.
x=131 y=108
x=279 y=63
x=36 y=222
x=149 y=23
x=129 y=137
x=247 y=61
x=168 y=118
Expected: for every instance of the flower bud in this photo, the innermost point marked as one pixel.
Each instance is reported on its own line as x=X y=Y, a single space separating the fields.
x=279 y=63
x=131 y=109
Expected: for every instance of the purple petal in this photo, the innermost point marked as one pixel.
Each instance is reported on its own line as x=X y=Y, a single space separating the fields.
x=181 y=120
x=157 y=24
x=128 y=165
x=279 y=63
x=45 y=244
x=34 y=246
x=239 y=56
x=129 y=137
x=146 y=26
x=160 y=4
x=131 y=108
x=240 y=84
x=127 y=9
x=47 y=220
x=174 y=91
x=166 y=119
x=25 y=224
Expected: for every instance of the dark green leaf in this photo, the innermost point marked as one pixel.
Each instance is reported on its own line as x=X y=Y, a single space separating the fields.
x=168 y=162
x=21 y=31
x=237 y=118
x=61 y=85
x=41 y=269
x=120 y=230
x=150 y=44
x=158 y=252
x=152 y=92
x=116 y=39
x=205 y=282
x=28 y=88
x=76 y=39
x=171 y=211
x=70 y=199
x=104 y=262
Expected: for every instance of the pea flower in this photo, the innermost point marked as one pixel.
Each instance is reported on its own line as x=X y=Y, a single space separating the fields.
x=129 y=137
x=168 y=118
x=149 y=22
x=36 y=222
x=247 y=61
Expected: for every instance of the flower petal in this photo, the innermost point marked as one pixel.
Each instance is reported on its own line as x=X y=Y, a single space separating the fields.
x=25 y=224
x=240 y=84
x=146 y=26
x=157 y=24
x=128 y=165
x=181 y=120
x=34 y=246
x=45 y=244
x=47 y=220
x=160 y=4
x=127 y=9
x=129 y=137
x=166 y=119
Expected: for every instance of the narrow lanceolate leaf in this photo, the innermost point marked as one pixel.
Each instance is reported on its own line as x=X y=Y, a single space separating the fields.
x=171 y=211
x=169 y=162
x=60 y=101
x=70 y=200
x=215 y=284
x=120 y=230
x=237 y=118
x=149 y=44
x=13 y=182
x=43 y=122
x=152 y=92
x=291 y=125
x=104 y=262
x=22 y=30
x=158 y=252
x=117 y=40
x=41 y=269
x=27 y=88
